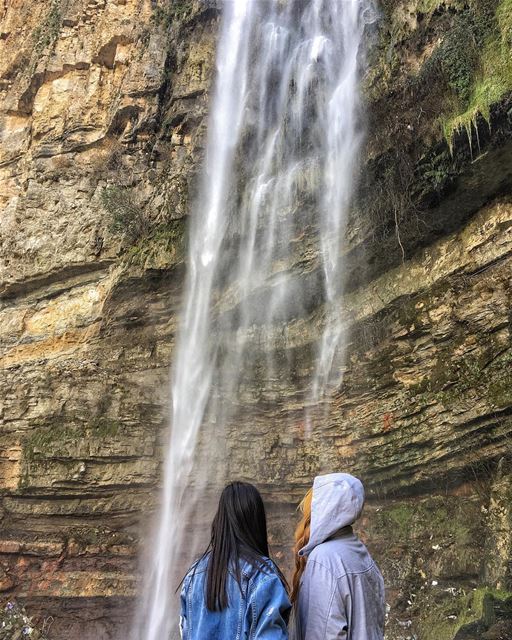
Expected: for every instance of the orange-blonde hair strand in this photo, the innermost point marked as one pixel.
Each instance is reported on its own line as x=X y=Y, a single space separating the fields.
x=302 y=533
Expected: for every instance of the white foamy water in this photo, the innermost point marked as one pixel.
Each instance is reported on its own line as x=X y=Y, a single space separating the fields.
x=283 y=142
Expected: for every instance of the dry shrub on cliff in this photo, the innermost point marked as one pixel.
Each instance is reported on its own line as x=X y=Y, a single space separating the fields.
x=166 y=13
x=114 y=151
x=60 y=166
x=127 y=218
x=106 y=160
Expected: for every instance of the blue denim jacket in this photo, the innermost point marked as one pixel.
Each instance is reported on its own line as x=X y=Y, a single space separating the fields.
x=257 y=611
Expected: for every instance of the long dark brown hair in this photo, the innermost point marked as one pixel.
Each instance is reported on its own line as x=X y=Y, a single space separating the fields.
x=239 y=532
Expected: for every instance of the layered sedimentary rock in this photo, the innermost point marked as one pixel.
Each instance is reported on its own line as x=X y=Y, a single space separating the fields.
x=91 y=123
x=103 y=111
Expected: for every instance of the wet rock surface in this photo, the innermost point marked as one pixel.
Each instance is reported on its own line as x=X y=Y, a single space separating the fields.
x=103 y=111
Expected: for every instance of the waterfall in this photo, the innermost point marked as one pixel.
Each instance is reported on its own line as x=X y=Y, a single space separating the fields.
x=283 y=142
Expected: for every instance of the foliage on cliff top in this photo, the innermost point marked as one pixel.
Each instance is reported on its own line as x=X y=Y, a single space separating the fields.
x=492 y=75
x=458 y=55
x=16 y=625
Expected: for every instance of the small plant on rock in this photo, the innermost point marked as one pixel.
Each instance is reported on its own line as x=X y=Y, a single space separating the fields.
x=47 y=32
x=16 y=625
x=168 y=12
x=127 y=217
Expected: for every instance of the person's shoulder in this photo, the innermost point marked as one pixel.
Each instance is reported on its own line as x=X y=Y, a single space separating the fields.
x=201 y=563
x=266 y=572
x=326 y=550
x=342 y=556
x=266 y=584
x=264 y=568
x=197 y=567
x=327 y=554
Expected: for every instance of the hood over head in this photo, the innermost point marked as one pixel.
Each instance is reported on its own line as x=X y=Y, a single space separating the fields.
x=338 y=499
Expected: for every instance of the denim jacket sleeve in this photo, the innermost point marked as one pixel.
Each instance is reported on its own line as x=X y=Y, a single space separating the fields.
x=269 y=608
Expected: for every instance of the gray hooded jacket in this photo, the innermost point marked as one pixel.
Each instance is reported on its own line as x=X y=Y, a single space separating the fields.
x=342 y=591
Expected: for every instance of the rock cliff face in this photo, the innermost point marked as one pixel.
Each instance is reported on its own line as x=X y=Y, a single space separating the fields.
x=103 y=115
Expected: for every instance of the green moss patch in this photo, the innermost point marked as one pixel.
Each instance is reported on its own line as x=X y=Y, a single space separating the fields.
x=437 y=519
x=449 y=380
x=492 y=78
x=61 y=446
x=474 y=612
x=161 y=248
x=45 y=35
x=145 y=242
x=164 y=15
x=428 y=6
x=52 y=439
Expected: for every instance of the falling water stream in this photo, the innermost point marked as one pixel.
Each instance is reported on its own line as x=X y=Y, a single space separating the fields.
x=265 y=245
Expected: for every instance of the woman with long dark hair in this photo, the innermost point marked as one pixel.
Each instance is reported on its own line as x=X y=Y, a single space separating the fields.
x=338 y=590
x=234 y=591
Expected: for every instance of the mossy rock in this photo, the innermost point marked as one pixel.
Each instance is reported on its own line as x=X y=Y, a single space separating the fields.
x=162 y=248
x=99 y=536
x=436 y=518
x=53 y=437
x=167 y=13
x=467 y=615
x=45 y=35
x=490 y=78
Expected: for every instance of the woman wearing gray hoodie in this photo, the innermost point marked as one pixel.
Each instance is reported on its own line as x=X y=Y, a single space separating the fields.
x=338 y=590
